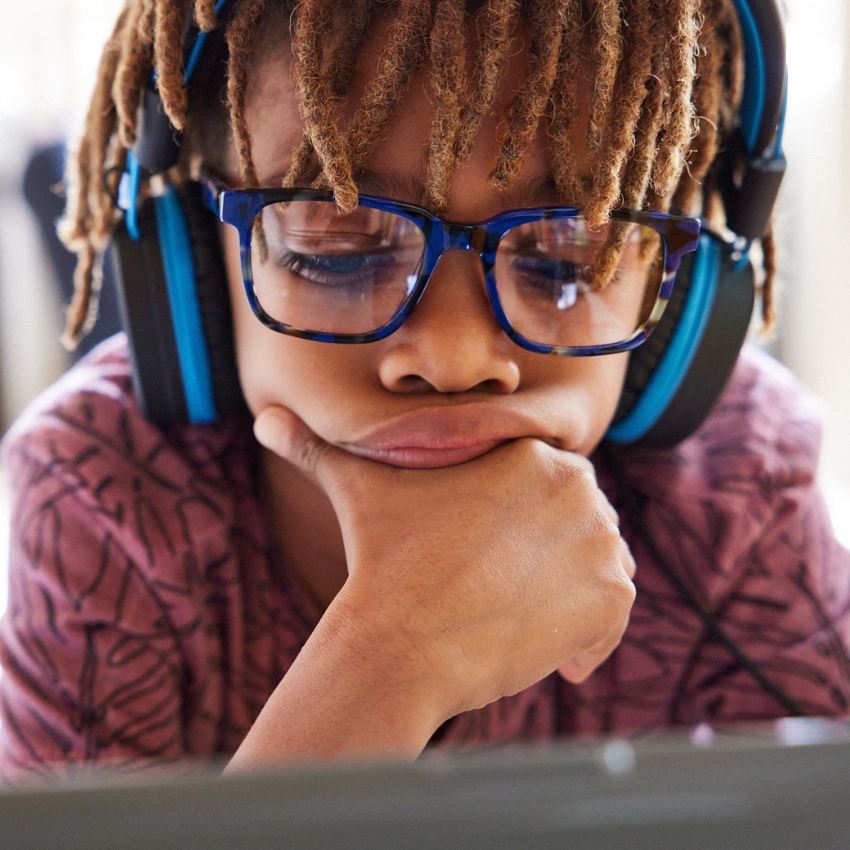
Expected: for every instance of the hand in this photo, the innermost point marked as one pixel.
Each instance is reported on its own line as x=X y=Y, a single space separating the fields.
x=478 y=579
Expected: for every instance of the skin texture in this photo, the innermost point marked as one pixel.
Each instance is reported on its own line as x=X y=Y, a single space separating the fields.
x=431 y=490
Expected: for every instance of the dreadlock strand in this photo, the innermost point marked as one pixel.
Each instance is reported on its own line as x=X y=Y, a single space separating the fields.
x=147 y=20
x=733 y=63
x=605 y=21
x=300 y=164
x=340 y=75
x=205 y=16
x=679 y=131
x=78 y=309
x=134 y=66
x=403 y=56
x=639 y=168
x=360 y=17
x=313 y=22
x=86 y=224
x=528 y=106
x=240 y=42
x=450 y=84
x=168 y=58
x=637 y=66
x=706 y=98
x=562 y=109
x=497 y=20
x=768 y=285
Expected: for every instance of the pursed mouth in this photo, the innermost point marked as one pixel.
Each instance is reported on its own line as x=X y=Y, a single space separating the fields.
x=418 y=457
x=432 y=437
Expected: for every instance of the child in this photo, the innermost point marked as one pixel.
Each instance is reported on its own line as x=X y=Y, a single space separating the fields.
x=405 y=541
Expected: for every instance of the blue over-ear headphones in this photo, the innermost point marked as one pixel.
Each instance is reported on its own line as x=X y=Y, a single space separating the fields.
x=675 y=378
x=173 y=292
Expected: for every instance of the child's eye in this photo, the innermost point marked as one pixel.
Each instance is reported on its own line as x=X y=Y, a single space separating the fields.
x=340 y=270
x=556 y=279
x=552 y=268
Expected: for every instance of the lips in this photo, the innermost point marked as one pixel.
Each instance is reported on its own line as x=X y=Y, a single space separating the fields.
x=433 y=437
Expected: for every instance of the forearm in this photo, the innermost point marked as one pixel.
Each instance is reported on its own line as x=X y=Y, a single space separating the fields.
x=349 y=694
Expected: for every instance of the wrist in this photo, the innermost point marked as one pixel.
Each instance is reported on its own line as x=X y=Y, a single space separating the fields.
x=384 y=668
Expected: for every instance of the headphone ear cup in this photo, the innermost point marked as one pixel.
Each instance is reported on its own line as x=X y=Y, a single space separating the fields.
x=644 y=360
x=174 y=305
x=675 y=378
x=146 y=318
x=715 y=358
x=213 y=300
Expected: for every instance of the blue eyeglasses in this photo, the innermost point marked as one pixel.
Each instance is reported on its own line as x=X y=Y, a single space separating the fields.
x=556 y=285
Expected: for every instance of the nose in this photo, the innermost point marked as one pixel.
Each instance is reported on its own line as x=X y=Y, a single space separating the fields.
x=452 y=343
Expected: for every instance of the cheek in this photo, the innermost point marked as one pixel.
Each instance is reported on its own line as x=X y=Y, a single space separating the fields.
x=260 y=361
x=311 y=379
x=604 y=395
x=582 y=398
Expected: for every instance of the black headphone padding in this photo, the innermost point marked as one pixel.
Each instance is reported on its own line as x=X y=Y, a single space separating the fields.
x=213 y=298
x=712 y=364
x=644 y=359
x=146 y=313
x=146 y=317
x=715 y=358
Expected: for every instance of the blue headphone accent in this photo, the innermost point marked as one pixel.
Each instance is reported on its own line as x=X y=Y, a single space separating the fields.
x=674 y=365
x=130 y=203
x=198 y=46
x=752 y=102
x=179 y=268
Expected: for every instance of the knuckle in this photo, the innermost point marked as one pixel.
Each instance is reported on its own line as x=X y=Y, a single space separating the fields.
x=313 y=453
x=617 y=596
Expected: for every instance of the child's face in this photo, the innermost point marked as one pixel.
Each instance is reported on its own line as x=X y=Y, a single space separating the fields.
x=451 y=352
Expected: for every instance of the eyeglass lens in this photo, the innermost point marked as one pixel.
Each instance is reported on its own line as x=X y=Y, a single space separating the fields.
x=559 y=282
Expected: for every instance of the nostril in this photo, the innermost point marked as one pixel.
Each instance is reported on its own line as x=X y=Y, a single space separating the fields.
x=412 y=384
x=490 y=386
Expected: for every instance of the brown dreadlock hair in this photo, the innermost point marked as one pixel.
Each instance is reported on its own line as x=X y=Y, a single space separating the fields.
x=667 y=82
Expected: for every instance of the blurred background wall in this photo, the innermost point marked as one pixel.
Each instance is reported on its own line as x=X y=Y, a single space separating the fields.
x=49 y=51
x=814 y=220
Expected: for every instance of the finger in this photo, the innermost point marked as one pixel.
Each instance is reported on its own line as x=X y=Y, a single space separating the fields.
x=580 y=666
x=287 y=435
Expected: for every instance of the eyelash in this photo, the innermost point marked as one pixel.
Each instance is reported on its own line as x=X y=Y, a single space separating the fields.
x=309 y=267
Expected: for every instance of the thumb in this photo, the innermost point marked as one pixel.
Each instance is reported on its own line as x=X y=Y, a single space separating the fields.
x=287 y=435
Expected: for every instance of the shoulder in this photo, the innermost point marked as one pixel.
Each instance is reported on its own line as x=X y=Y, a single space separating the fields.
x=84 y=451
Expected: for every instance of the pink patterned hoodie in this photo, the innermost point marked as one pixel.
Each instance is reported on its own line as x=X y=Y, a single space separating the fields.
x=149 y=618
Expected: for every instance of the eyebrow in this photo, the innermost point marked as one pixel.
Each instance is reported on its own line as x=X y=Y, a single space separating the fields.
x=525 y=191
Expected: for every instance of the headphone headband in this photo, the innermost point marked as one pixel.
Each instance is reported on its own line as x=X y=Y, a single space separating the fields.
x=754 y=166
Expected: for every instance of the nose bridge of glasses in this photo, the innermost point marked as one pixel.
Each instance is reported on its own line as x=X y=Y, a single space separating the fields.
x=464 y=237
